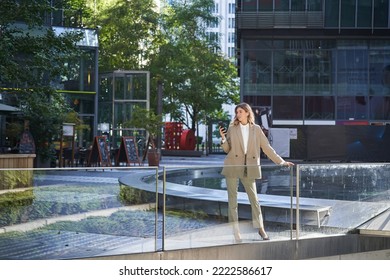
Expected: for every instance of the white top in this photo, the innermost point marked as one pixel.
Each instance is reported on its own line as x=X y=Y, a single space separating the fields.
x=245 y=135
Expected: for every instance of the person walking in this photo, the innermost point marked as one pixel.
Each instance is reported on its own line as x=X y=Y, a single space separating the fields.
x=242 y=142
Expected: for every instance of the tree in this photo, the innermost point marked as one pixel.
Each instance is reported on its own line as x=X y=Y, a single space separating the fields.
x=32 y=58
x=197 y=77
x=175 y=48
x=128 y=33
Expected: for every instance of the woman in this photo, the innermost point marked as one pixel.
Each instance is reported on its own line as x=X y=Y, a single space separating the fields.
x=242 y=142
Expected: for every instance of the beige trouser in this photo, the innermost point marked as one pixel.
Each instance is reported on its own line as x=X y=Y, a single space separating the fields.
x=250 y=189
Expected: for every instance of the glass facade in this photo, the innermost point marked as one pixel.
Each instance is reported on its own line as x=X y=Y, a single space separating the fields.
x=120 y=92
x=80 y=84
x=322 y=79
x=338 y=13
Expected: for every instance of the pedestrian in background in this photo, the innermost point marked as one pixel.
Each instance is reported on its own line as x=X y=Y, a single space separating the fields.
x=242 y=142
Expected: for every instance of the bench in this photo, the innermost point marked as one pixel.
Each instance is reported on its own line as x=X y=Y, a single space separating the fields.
x=302 y=207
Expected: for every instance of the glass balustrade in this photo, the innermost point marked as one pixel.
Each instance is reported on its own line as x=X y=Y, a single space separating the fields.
x=74 y=213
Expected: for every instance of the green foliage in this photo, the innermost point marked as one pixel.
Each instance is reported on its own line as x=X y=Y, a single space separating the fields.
x=148 y=120
x=173 y=45
x=13 y=205
x=18 y=207
x=13 y=179
x=133 y=196
x=136 y=223
x=46 y=110
x=128 y=34
x=197 y=77
x=32 y=57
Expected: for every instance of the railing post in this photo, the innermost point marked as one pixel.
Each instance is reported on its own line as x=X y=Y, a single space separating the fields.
x=291 y=202
x=297 y=224
x=163 y=210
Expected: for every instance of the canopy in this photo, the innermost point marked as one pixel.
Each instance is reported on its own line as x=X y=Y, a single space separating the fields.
x=7 y=108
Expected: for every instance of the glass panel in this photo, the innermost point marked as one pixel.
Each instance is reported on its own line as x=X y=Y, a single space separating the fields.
x=258 y=101
x=282 y=5
x=266 y=5
x=84 y=135
x=298 y=5
x=105 y=112
x=258 y=44
x=364 y=13
x=332 y=10
x=287 y=107
x=318 y=72
x=379 y=72
x=314 y=5
x=78 y=213
x=105 y=92
x=123 y=111
x=288 y=72
x=357 y=189
x=249 y=5
x=136 y=87
x=348 y=10
x=352 y=75
x=319 y=108
x=352 y=107
x=381 y=13
x=380 y=108
x=202 y=203
x=257 y=72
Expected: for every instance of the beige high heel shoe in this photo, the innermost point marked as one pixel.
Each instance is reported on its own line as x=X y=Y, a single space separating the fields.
x=263 y=234
x=237 y=237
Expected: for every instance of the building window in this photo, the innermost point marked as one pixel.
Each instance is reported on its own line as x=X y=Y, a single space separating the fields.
x=381 y=13
x=352 y=107
x=348 y=10
x=231 y=23
x=231 y=37
x=266 y=5
x=257 y=72
x=380 y=108
x=249 y=5
x=332 y=9
x=232 y=8
x=298 y=5
x=215 y=9
x=319 y=108
x=231 y=52
x=288 y=72
x=314 y=5
x=364 y=13
x=258 y=101
x=352 y=72
x=318 y=72
x=282 y=5
x=287 y=108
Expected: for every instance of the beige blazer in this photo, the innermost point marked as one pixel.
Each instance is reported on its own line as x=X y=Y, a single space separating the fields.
x=234 y=163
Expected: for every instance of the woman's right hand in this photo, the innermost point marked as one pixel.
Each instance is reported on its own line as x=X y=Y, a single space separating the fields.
x=222 y=132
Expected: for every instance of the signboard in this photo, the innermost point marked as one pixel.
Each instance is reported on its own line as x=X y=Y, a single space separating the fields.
x=128 y=151
x=68 y=129
x=99 y=153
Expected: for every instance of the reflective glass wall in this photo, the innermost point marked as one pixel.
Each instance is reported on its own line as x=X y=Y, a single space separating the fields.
x=120 y=92
x=318 y=79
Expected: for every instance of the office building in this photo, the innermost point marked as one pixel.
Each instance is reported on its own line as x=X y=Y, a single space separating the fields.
x=321 y=67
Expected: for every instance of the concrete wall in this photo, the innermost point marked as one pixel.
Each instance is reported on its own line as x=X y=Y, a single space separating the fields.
x=346 y=247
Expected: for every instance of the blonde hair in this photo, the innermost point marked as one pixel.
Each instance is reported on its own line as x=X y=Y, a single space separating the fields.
x=246 y=108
